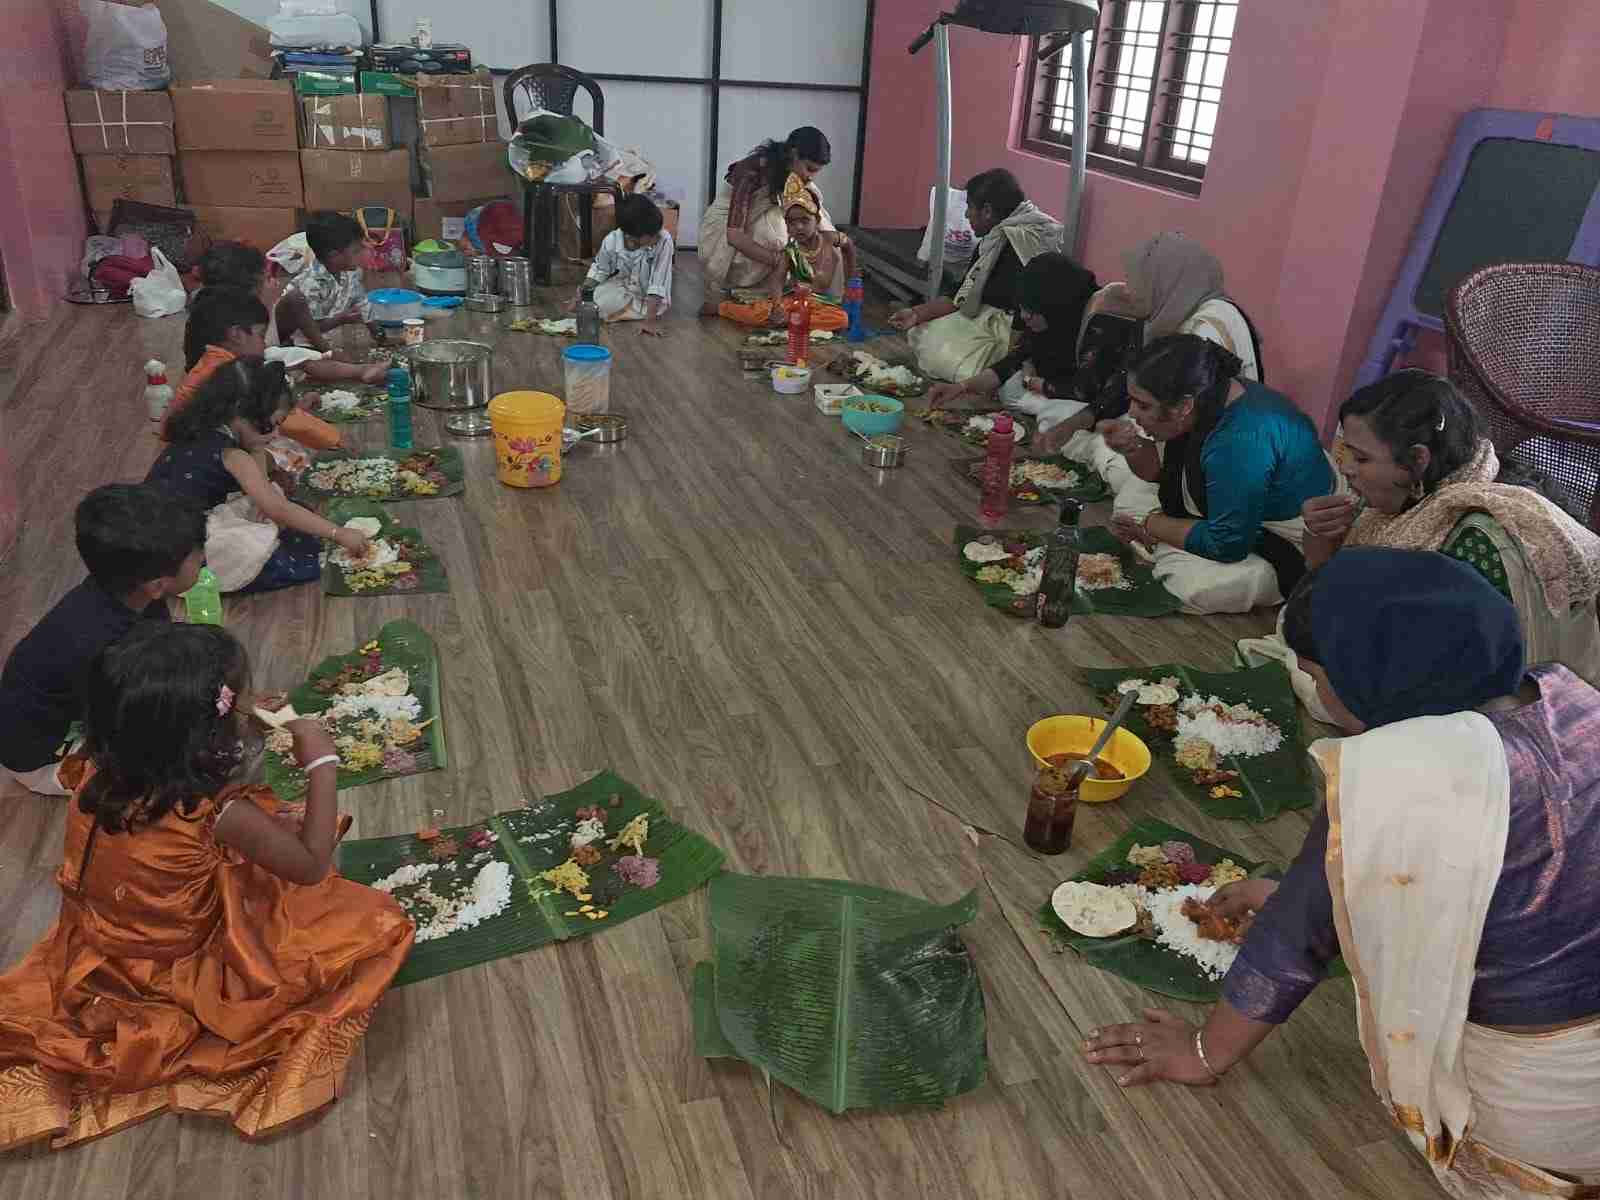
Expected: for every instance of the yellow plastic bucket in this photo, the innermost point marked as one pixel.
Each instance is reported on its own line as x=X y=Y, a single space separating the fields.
x=527 y=437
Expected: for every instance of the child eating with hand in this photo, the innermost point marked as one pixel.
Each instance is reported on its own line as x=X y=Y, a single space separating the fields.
x=141 y=544
x=632 y=273
x=325 y=289
x=206 y=958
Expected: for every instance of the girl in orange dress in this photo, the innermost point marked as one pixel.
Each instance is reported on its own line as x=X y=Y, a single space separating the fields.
x=831 y=262
x=205 y=961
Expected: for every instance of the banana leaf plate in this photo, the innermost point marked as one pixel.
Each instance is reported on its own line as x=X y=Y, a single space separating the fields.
x=854 y=996
x=403 y=644
x=427 y=573
x=1268 y=784
x=844 y=364
x=1082 y=482
x=440 y=466
x=529 y=841
x=953 y=422
x=773 y=338
x=374 y=402
x=1146 y=598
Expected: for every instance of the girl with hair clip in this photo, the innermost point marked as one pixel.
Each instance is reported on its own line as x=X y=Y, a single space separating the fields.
x=206 y=960
x=257 y=540
x=1422 y=476
x=1233 y=462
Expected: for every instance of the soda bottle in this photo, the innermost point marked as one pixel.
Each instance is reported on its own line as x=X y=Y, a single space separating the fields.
x=799 y=324
x=203 y=602
x=997 y=472
x=1060 y=575
x=588 y=314
x=399 y=408
x=854 y=296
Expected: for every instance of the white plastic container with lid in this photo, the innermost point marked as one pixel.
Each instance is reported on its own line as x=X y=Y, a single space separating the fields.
x=392 y=306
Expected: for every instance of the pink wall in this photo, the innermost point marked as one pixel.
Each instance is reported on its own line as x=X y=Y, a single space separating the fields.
x=1334 y=118
x=42 y=222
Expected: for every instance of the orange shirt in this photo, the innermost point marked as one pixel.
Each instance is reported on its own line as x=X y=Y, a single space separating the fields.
x=311 y=432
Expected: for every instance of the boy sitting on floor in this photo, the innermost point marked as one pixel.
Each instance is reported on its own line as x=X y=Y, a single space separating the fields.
x=632 y=273
x=325 y=290
x=141 y=545
x=810 y=258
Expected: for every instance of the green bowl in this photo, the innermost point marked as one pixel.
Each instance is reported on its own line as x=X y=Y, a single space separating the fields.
x=869 y=424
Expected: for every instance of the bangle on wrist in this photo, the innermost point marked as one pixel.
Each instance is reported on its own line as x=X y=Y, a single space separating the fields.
x=324 y=761
x=1200 y=1053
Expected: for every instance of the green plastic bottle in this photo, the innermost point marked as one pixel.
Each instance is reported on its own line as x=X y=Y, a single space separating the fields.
x=203 y=601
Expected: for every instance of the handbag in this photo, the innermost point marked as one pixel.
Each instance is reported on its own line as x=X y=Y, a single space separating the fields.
x=385 y=239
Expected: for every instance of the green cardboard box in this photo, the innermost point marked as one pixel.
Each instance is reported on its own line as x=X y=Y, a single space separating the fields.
x=325 y=83
x=387 y=83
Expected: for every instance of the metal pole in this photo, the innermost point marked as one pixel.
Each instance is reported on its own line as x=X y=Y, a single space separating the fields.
x=941 y=173
x=1080 y=144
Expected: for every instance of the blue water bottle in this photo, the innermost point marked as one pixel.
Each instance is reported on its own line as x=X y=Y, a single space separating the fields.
x=399 y=408
x=854 y=294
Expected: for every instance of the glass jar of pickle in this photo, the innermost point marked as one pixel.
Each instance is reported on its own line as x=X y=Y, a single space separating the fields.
x=1052 y=807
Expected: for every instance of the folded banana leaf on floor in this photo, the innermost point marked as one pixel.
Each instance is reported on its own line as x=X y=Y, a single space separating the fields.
x=854 y=996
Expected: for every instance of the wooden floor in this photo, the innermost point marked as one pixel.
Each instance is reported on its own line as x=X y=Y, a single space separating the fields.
x=732 y=612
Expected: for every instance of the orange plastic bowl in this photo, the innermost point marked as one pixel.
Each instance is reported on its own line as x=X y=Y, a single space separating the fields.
x=1075 y=735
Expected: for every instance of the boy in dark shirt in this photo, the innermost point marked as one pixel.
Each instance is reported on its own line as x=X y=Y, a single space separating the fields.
x=141 y=545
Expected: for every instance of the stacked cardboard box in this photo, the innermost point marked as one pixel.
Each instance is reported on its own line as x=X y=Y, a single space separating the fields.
x=125 y=145
x=457 y=110
x=239 y=156
x=347 y=163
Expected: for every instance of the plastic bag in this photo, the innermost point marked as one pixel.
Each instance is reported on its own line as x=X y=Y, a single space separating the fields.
x=160 y=293
x=310 y=26
x=959 y=240
x=126 y=47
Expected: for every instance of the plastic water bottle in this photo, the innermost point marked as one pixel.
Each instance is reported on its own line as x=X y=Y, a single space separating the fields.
x=399 y=408
x=854 y=295
x=588 y=317
x=799 y=324
x=997 y=472
x=1060 y=575
x=203 y=602
x=157 y=391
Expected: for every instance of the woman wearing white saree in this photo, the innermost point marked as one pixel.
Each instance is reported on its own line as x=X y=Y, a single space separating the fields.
x=1452 y=867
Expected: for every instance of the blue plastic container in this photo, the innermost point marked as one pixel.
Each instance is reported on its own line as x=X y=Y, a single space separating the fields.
x=869 y=424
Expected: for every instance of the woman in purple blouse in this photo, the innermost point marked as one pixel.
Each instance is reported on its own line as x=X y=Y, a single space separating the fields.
x=1452 y=866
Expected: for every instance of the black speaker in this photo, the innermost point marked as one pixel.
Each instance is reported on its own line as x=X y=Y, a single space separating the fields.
x=1026 y=16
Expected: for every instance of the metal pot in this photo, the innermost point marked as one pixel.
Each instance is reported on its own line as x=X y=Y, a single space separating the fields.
x=884 y=450
x=454 y=376
x=485 y=302
x=516 y=281
x=483 y=273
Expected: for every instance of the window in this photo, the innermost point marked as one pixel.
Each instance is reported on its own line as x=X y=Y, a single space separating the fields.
x=1155 y=84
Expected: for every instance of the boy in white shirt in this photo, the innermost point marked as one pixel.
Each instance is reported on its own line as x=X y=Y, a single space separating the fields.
x=632 y=273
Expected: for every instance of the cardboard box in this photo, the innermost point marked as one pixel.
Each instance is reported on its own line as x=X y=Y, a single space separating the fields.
x=206 y=41
x=445 y=219
x=240 y=179
x=462 y=172
x=457 y=110
x=262 y=228
x=120 y=122
x=387 y=83
x=236 y=114
x=111 y=177
x=325 y=81
x=346 y=122
x=343 y=180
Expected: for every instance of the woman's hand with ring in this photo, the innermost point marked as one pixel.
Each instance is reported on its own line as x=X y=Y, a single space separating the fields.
x=1160 y=1047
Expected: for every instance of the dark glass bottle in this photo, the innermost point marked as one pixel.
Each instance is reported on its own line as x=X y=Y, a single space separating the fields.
x=1052 y=809
x=1060 y=575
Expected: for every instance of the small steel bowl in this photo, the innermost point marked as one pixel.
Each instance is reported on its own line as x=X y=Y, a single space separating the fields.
x=883 y=450
x=486 y=302
x=613 y=427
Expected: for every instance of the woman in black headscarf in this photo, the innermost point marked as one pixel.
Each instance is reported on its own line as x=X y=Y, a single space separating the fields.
x=1053 y=293
x=1452 y=867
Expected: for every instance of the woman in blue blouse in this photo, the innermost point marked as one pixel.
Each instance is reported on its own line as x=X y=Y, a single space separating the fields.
x=1234 y=461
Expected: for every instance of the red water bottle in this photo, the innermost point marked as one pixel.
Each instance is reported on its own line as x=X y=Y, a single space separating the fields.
x=997 y=472
x=799 y=324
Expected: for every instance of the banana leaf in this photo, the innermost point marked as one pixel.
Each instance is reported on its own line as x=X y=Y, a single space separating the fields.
x=1146 y=598
x=444 y=461
x=374 y=403
x=1088 y=487
x=429 y=574
x=854 y=996
x=1270 y=783
x=400 y=644
x=532 y=840
x=953 y=421
x=1140 y=960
